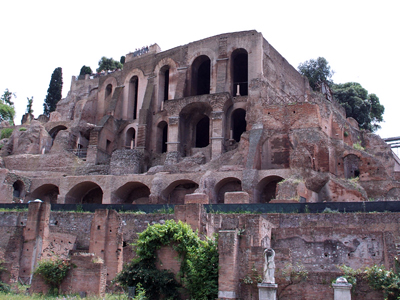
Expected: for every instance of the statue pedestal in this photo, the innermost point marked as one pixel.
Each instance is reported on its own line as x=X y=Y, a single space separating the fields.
x=267 y=291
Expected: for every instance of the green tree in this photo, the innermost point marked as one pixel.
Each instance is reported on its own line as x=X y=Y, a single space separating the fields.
x=85 y=70
x=363 y=107
x=53 y=92
x=317 y=71
x=7 y=111
x=29 y=109
x=108 y=64
x=122 y=60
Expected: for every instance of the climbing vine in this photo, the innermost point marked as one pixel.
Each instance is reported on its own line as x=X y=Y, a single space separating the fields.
x=199 y=263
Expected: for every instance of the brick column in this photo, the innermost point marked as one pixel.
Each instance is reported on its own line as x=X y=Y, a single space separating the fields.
x=35 y=234
x=228 y=278
x=216 y=134
x=106 y=240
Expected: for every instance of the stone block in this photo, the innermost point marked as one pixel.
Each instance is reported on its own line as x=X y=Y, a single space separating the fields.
x=236 y=198
x=198 y=198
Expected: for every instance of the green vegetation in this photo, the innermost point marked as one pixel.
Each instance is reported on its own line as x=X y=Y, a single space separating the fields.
x=85 y=70
x=29 y=109
x=53 y=272
x=317 y=71
x=199 y=263
x=363 y=107
x=53 y=92
x=378 y=278
x=7 y=111
x=6 y=133
x=108 y=64
x=22 y=129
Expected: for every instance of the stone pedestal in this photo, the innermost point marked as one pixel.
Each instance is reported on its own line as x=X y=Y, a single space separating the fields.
x=342 y=289
x=267 y=291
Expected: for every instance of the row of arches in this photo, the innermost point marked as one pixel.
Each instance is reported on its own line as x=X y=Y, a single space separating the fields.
x=134 y=192
x=199 y=83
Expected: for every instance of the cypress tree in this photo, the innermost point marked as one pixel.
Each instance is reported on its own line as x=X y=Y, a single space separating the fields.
x=53 y=92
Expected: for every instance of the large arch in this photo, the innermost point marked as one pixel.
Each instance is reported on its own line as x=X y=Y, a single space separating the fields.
x=239 y=69
x=166 y=71
x=55 y=130
x=266 y=189
x=135 y=86
x=46 y=192
x=201 y=76
x=84 y=192
x=176 y=191
x=194 y=127
x=229 y=184
x=131 y=193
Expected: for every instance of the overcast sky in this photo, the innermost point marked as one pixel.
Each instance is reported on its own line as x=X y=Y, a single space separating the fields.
x=360 y=39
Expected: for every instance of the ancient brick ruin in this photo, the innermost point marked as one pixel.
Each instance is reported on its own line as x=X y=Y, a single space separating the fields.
x=224 y=120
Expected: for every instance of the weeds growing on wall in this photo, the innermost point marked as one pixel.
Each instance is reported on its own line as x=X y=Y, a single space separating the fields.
x=3 y=286
x=5 y=133
x=378 y=278
x=199 y=263
x=53 y=272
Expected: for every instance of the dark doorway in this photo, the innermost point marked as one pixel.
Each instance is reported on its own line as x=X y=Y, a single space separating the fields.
x=133 y=95
x=201 y=68
x=203 y=132
x=238 y=123
x=240 y=72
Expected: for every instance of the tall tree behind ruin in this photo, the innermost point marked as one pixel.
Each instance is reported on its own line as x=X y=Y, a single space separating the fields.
x=53 y=92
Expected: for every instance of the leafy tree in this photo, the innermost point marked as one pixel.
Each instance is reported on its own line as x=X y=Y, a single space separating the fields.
x=108 y=64
x=122 y=60
x=53 y=92
x=317 y=71
x=29 y=109
x=85 y=70
x=363 y=107
x=53 y=272
x=7 y=111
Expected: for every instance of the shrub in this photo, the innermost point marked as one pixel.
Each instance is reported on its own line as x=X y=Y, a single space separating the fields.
x=53 y=272
x=6 y=133
x=199 y=263
x=22 y=129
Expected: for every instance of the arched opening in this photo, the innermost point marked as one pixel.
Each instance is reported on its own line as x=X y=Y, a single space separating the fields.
x=240 y=72
x=131 y=193
x=84 y=192
x=130 y=138
x=203 y=132
x=201 y=69
x=162 y=137
x=238 y=121
x=133 y=95
x=176 y=191
x=266 y=189
x=230 y=184
x=194 y=127
x=18 y=189
x=54 y=131
x=108 y=91
x=47 y=193
x=351 y=166
x=164 y=83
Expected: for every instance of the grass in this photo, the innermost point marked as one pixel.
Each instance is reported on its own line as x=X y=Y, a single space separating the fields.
x=12 y=296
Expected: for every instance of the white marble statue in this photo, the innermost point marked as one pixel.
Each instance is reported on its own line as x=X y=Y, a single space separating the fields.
x=269 y=266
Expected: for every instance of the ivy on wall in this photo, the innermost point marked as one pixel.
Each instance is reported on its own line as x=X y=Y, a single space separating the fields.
x=199 y=263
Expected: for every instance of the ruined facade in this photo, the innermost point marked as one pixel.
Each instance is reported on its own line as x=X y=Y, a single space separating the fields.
x=226 y=118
